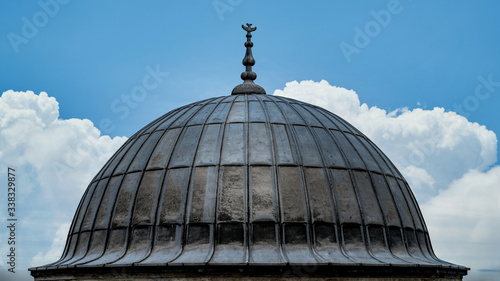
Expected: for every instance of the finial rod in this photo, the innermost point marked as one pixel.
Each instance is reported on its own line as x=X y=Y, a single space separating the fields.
x=248 y=86
x=248 y=60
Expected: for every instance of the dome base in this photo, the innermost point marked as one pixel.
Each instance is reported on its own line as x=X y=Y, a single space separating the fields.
x=254 y=273
x=247 y=88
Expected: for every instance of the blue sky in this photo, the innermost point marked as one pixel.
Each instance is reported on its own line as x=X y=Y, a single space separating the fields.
x=91 y=56
x=91 y=53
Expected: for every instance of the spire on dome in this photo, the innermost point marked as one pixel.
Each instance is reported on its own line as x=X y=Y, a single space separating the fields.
x=248 y=86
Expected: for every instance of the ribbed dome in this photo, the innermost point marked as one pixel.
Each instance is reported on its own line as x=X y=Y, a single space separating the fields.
x=249 y=180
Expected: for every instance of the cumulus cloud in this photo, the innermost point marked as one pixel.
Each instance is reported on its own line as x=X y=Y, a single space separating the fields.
x=440 y=146
x=464 y=220
x=448 y=162
x=419 y=177
x=64 y=154
x=54 y=159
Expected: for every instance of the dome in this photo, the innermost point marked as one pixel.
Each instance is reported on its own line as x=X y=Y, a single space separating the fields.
x=248 y=180
x=249 y=183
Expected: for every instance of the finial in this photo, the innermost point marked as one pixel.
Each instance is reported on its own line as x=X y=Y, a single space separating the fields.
x=248 y=86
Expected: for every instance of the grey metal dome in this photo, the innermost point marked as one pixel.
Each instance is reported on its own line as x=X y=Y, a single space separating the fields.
x=248 y=185
x=248 y=180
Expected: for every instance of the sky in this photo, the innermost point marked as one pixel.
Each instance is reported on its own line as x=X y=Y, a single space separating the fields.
x=419 y=78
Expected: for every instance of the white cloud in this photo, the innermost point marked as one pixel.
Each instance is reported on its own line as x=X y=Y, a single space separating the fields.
x=442 y=144
x=64 y=153
x=464 y=220
x=55 y=159
x=447 y=161
x=418 y=176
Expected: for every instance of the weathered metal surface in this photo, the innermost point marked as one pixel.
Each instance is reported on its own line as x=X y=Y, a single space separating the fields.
x=248 y=180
